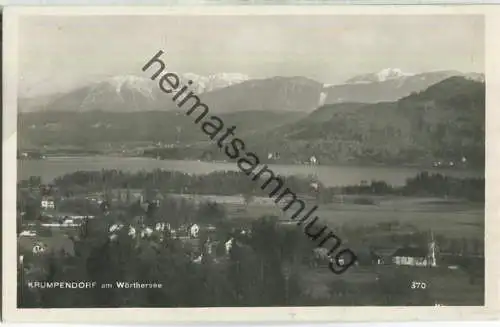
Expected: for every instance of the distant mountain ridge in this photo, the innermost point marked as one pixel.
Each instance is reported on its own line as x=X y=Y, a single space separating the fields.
x=127 y=93
x=271 y=94
x=226 y=93
x=389 y=85
x=214 y=81
x=231 y=92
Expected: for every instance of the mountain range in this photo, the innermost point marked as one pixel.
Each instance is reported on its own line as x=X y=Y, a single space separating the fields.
x=230 y=92
x=392 y=118
x=388 y=85
x=124 y=93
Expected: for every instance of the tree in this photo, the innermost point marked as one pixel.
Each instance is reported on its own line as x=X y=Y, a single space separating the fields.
x=266 y=241
x=151 y=211
x=32 y=210
x=35 y=181
x=104 y=206
x=211 y=212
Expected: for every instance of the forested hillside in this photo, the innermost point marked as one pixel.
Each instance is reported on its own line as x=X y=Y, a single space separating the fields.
x=444 y=123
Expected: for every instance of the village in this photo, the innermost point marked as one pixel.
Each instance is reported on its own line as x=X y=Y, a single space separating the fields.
x=51 y=221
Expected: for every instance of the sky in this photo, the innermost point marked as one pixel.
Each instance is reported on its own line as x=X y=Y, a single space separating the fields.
x=59 y=53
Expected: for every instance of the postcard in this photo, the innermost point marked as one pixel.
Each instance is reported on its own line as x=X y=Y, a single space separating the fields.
x=250 y=163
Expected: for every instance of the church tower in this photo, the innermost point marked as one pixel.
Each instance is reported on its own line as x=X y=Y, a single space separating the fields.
x=431 y=257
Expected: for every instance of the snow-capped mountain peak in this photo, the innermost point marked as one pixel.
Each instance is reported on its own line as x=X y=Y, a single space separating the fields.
x=135 y=83
x=230 y=77
x=215 y=81
x=135 y=91
x=380 y=76
x=390 y=73
x=192 y=76
x=121 y=88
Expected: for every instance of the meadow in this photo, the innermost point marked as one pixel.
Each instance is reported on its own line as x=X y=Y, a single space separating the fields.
x=449 y=217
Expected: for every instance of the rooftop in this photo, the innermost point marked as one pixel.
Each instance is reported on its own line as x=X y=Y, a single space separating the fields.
x=55 y=243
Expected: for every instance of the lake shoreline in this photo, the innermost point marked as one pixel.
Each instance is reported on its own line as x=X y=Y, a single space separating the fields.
x=340 y=164
x=337 y=175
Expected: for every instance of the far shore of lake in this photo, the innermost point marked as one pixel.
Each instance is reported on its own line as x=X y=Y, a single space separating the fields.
x=329 y=175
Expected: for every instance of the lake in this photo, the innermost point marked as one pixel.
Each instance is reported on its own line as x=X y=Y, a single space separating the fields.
x=51 y=168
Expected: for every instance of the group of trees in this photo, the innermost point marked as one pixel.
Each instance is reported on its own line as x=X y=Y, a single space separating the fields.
x=231 y=183
x=423 y=184
x=440 y=185
x=221 y=183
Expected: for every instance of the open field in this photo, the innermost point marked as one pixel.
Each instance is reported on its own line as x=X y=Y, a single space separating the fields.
x=452 y=218
x=455 y=219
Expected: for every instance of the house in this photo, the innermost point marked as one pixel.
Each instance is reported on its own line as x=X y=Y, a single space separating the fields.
x=416 y=256
x=132 y=231
x=57 y=244
x=161 y=226
x=198 y=259
x=139 y=220
x=228 y=245
x=47 y=203
x=67 y=215
x=68 y=222
x=120 y=195
x=365 y=256
x=194 y=231
x=39 y=248
x=412 y=256
x=146 y=232
x=115 y=227
x=158 y=198
x=273 y=156
x=27 y=233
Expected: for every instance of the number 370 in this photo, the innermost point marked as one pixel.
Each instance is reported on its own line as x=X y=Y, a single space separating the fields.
x=418 y=285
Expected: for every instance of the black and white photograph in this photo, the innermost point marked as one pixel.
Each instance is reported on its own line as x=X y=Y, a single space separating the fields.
x=188 y=160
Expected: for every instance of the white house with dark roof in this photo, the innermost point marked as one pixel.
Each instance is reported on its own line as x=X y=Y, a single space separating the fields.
x=416 y=256
x=47 y=203
x=413 y=256
x=410 y=256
